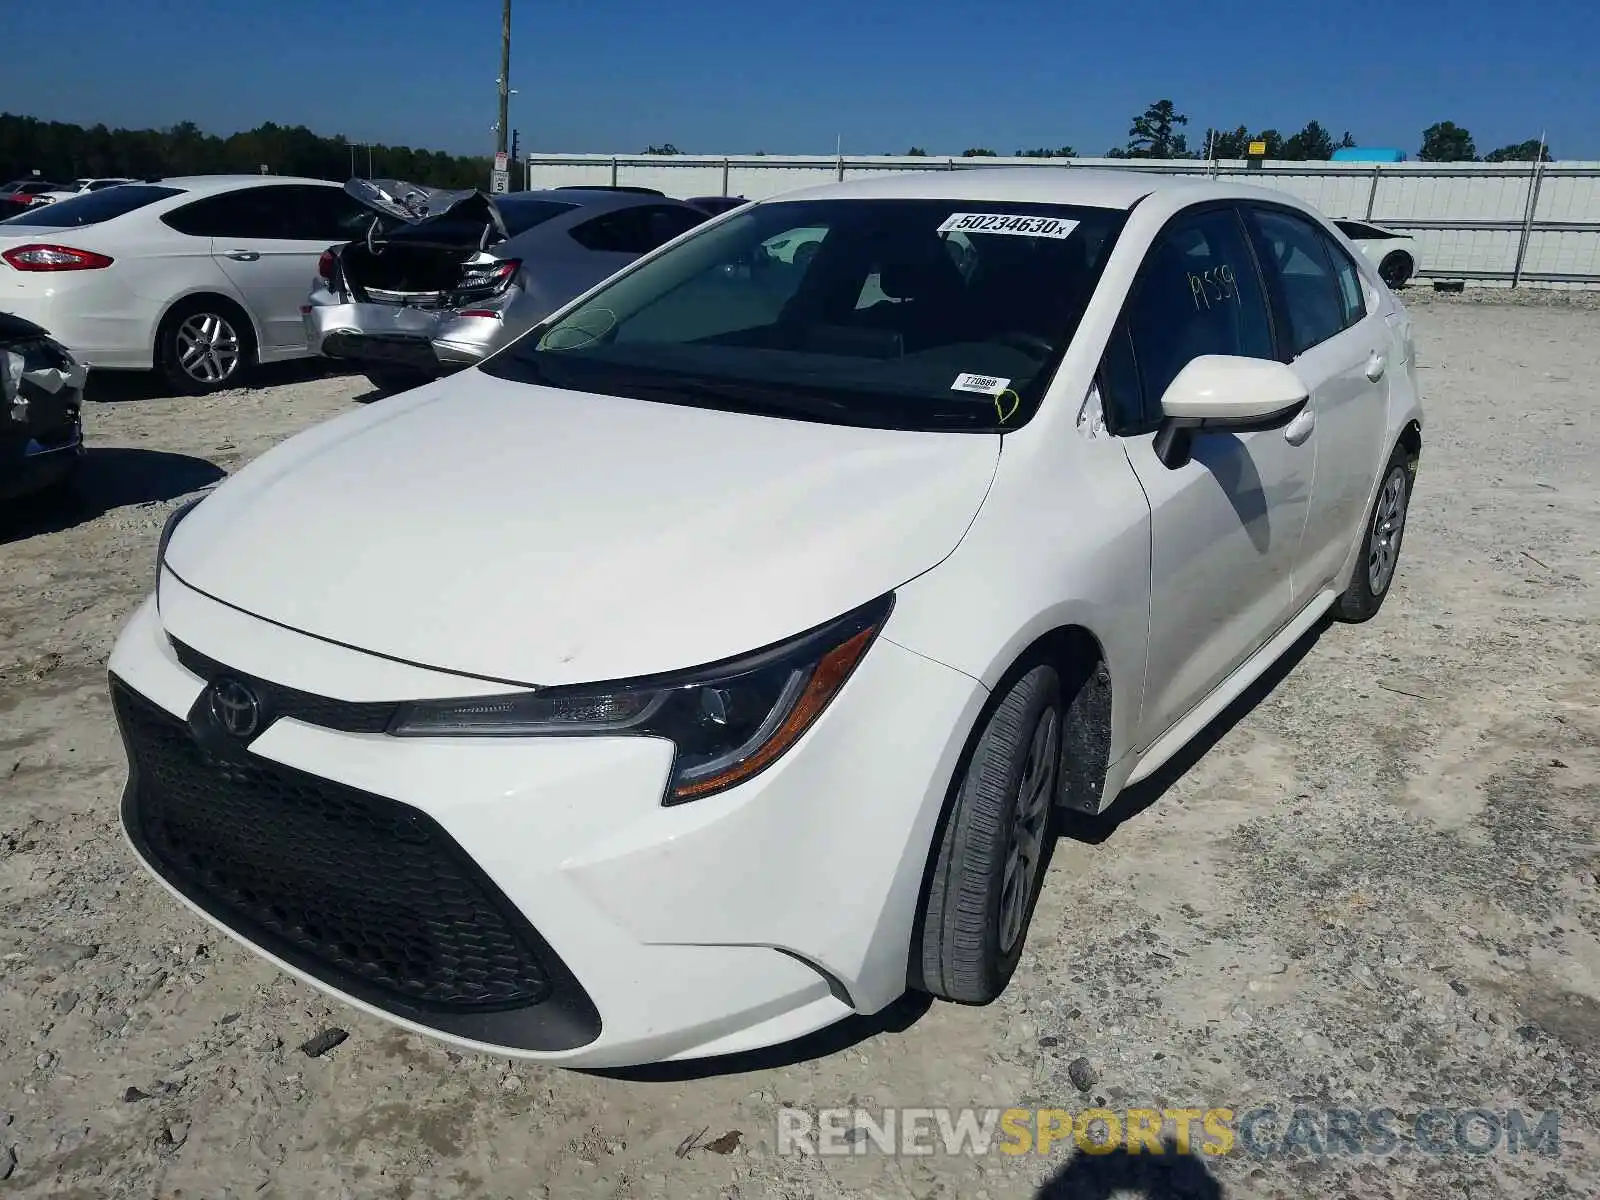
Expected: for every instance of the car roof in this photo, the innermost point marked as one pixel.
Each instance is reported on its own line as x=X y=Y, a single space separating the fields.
x=1090 y=187
x=201 y=185
x=587 y=198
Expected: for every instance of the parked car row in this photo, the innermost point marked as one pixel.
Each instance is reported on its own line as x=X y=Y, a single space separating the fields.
x=202 y=277
x=427 y=291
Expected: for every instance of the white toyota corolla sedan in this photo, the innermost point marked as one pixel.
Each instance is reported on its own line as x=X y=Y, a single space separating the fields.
x=708 y=664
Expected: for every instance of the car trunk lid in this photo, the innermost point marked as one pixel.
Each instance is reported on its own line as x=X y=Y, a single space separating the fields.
x=426 y=247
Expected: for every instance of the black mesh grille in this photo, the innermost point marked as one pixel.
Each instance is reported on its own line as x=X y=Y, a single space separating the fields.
x=367 y=893
x=278 y=701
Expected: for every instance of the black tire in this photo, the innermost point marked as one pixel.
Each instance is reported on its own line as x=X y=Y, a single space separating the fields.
x=1395 y=270
x=962 y=953
x=389 y=383
x=234 y=343
x=1380 y=541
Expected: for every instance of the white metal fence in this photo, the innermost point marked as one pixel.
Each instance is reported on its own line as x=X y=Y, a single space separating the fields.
x=1494 y=224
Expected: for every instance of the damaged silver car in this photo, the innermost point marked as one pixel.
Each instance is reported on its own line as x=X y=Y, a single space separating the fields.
x=442 y=279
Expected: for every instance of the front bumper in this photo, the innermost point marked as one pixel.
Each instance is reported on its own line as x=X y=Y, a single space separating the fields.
x=739 y=921
x=36 y=465
x=397 y=336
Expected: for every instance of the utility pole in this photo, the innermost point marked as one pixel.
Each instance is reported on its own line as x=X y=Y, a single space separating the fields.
x=505 y=78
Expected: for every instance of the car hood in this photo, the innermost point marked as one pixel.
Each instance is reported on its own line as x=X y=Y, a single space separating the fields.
x=540 y=536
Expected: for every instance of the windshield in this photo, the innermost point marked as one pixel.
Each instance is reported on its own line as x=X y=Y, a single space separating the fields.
x=904 y=314
x=90 y=208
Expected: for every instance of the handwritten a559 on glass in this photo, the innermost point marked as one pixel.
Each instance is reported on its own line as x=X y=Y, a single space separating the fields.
x=1215 y=285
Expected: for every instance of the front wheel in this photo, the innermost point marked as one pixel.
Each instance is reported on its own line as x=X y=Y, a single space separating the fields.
x=991 y=852
x=1380 y=543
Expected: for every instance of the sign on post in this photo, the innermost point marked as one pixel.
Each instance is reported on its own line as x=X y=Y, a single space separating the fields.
x=500 y=182
x=500 y=161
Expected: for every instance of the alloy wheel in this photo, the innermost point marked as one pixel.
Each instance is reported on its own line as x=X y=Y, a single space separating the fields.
x=208 y=348
x=1388 y=523
x=1030 y=821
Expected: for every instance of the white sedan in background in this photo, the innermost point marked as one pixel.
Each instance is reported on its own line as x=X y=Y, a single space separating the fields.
x=1394 y=254
x=707 y=665
x=79 y=186
x=199 y=277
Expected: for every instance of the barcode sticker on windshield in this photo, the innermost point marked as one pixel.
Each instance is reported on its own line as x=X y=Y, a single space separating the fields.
x=984 y=385
x=1012 y=223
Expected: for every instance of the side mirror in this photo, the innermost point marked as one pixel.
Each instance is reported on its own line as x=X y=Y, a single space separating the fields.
x=1224 y=392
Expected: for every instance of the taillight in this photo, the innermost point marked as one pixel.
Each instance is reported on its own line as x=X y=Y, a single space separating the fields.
x=41 y=257
x=325 y=265
x=491 y=277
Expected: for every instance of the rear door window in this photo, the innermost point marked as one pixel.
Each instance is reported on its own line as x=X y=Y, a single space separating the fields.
x=91 y=208
x=1294 y=253
x=245 y=214
x=635 y=230
x=665 y=222
x=320 y=214
x=522 y=215
x=1351 y=295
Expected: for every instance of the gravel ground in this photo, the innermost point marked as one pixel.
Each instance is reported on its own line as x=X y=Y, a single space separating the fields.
x=1372 y=887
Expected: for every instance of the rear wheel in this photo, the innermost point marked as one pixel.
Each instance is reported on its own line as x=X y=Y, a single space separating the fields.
x=1380 y=543
x=1395 y=270
x=204 y=345
x=991 y=850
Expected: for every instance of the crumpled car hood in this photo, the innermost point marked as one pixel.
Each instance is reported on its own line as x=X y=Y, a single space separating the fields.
x=540 y=536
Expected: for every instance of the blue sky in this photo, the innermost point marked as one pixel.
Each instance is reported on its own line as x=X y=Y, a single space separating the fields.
x=788 y=78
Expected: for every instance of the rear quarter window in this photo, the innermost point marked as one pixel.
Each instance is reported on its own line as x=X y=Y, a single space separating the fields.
x=91 y=208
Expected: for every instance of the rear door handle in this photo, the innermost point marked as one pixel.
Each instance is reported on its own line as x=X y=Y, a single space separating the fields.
x=1299 y=429
x=1376 y=366
x=244 y=255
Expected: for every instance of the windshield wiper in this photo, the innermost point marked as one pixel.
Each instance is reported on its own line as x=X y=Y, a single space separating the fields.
x=759 y=397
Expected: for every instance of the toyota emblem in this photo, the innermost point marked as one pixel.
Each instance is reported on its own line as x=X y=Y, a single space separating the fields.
x=235 y=707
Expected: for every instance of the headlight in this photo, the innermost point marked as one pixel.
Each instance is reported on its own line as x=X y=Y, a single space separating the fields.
x=729 y=721
x=177 y=514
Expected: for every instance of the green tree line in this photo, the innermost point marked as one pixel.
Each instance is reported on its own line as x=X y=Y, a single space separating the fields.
x=1159 y=132
x=61 y=151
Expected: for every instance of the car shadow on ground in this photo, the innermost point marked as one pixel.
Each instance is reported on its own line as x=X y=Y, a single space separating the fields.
x=835 y=1039
x=120 y=387
x=1094 y=829
x=108 y=477
x=1171 y=1175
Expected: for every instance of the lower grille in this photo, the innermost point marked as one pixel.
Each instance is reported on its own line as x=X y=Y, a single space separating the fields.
x=368 y=894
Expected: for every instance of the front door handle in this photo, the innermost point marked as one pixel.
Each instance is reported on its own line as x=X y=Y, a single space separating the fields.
x=244 y=255
x=1299 y=429
x=1376 y=366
